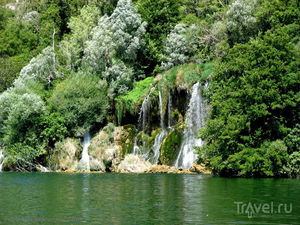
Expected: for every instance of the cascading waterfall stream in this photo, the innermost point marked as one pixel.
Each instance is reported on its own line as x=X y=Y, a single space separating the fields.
x=143 y=119
x=170 y=109
x=161 y=136
x=85 y=158
x=1 y=159
x=194 y=119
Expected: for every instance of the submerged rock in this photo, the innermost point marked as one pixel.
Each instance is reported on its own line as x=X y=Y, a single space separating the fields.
x=134 y=164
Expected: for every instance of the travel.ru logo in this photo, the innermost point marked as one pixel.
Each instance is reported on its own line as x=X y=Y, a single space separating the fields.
x=252 y=209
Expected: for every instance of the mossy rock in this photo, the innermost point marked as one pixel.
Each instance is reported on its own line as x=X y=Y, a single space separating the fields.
x=126 y=139
x=170 y=147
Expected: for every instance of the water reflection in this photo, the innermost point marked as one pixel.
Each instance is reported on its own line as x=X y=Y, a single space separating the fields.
x=139 y=199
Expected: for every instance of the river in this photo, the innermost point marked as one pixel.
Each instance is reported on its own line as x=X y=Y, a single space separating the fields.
x=58 y=198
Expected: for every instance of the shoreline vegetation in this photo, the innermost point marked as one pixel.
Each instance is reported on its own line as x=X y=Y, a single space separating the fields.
x=121 y=85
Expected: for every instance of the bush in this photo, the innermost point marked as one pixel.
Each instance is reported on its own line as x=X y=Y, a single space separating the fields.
x=131 y=101
x=81 y=100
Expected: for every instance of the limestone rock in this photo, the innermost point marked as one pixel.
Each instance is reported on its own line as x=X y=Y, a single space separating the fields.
x=134 y=164
x=65 y=155
x=196 y=168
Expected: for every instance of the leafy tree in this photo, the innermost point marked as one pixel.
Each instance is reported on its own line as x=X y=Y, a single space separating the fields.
x=254 y=98
x=40 y=69
x=161 y=16
x=81 y=27
x=17 y=37
x=18 y=115
x=81 y=101
x=181 y=43
x=241 y=23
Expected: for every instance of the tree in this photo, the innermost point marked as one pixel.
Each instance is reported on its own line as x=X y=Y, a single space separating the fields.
x=241 y=23
x=161 y=16
x=180 y=44
x=81 y=101
x=81 y=27
x=40 y=69
x=254 y=98
x=19 y=115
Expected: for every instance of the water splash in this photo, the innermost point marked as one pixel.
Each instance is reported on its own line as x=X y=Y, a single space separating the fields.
x=1 y=159
x=85 y=158
x=194 y=119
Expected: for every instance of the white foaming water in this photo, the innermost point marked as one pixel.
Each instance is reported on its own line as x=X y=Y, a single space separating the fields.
x=157 y=144
x=170 y=109
x=194 y=119
x=1 y=159
x=85 y=158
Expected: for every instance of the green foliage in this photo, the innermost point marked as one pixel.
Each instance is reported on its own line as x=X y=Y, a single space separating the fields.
x=161 y=16
x=81 y=27
x=17 y=37
x=20 y=115
x=81 y=100
x=10 y=68
x=186 y=75
x=292 y=168
x=254 y=97
x=241 y=23
x=266 y=160
x=131 y=101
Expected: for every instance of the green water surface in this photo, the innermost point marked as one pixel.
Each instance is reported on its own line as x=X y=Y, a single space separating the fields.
x=53 y=198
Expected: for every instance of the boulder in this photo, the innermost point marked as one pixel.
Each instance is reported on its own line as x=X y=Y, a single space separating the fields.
x=65 y=155
x=196 y=168
x=134 y=164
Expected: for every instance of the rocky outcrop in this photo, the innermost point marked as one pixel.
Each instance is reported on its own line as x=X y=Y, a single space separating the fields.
x=110 y=145
x=65 y=155
x=199 y=168
x=134 y=164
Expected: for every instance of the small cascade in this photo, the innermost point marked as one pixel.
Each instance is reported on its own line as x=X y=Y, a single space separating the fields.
x=157 y=144
x=85 y=158
x=194 y=119
x=143 y=115
x=1 y=159
x=143 y=120
x=170 y=109
x=161 y=136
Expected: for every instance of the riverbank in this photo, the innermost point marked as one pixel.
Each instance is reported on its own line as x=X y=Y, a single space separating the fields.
x=155 y=169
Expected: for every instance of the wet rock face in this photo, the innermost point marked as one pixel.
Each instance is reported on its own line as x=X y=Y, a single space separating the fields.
x=134 y=164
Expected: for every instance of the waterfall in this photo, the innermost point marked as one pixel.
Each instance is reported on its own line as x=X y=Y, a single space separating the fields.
x=161 y=136
x=85 y=158
x=194 y=119
x=170 y=109
x=143 y=115
x=143 y=119
x=1 y=159
x=157 y=144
